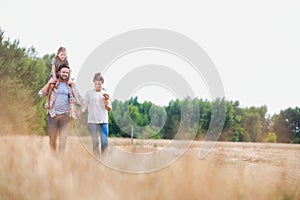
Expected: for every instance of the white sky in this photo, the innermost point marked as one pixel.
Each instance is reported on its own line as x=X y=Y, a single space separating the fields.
x=255 y=45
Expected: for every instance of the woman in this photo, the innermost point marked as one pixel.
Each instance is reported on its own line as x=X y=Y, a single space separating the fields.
x=98 y=103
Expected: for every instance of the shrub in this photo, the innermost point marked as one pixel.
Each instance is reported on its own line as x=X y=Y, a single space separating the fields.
x=271 y=137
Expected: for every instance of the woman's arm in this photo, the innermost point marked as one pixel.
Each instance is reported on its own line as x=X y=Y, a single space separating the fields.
x=85 y=102
x=108 y=106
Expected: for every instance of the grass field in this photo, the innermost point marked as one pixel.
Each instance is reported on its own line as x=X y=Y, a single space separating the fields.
x=28 y=170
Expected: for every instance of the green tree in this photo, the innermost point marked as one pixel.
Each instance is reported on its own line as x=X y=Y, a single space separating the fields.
x=253 y=122
x=286 y=125
x=22 y=73
x=173 y=119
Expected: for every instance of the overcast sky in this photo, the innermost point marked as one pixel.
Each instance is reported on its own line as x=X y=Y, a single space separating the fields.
x=255 y=45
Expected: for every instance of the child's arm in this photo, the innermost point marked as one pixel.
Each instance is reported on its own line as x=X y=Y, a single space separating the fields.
x=53 y=71
x=69 y=79
x=70 y=82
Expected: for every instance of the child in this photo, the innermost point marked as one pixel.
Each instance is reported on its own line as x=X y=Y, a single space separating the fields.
x=59 y=59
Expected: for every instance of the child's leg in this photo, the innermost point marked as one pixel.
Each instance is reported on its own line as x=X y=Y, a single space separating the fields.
x=50 y=89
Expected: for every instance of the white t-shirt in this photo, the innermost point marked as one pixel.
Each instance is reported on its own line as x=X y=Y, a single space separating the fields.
x=94 y=102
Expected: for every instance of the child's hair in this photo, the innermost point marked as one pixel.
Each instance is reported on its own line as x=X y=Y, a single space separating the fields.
x=98 y=77
x=61 y=49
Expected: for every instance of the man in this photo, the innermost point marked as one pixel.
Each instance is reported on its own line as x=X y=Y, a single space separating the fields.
x=60 y=108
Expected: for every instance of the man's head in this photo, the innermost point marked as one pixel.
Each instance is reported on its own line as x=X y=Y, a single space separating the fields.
x=64 y=72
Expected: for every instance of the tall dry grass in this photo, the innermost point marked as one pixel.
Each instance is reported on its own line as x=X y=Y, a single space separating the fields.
x=28 y=170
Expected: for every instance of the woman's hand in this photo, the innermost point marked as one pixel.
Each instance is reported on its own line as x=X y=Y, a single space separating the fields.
x=106 y=103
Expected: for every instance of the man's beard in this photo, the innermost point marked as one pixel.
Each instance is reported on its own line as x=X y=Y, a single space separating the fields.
x=63 y=77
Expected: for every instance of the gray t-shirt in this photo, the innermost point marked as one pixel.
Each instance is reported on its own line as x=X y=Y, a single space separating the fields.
x=61 y=103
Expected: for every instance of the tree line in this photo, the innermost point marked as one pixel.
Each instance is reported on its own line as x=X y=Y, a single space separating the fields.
x=250 y=124
x=23 y=73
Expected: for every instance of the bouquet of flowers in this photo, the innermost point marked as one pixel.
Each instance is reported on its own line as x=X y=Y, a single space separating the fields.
x=106 y=97
x=106 y=100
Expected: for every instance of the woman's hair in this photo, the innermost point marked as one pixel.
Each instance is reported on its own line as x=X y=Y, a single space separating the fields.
x=98 y=77
x=61 y=49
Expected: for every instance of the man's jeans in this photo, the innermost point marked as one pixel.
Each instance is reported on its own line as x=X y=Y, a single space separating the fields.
x=58 y=126
x=94 y=130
